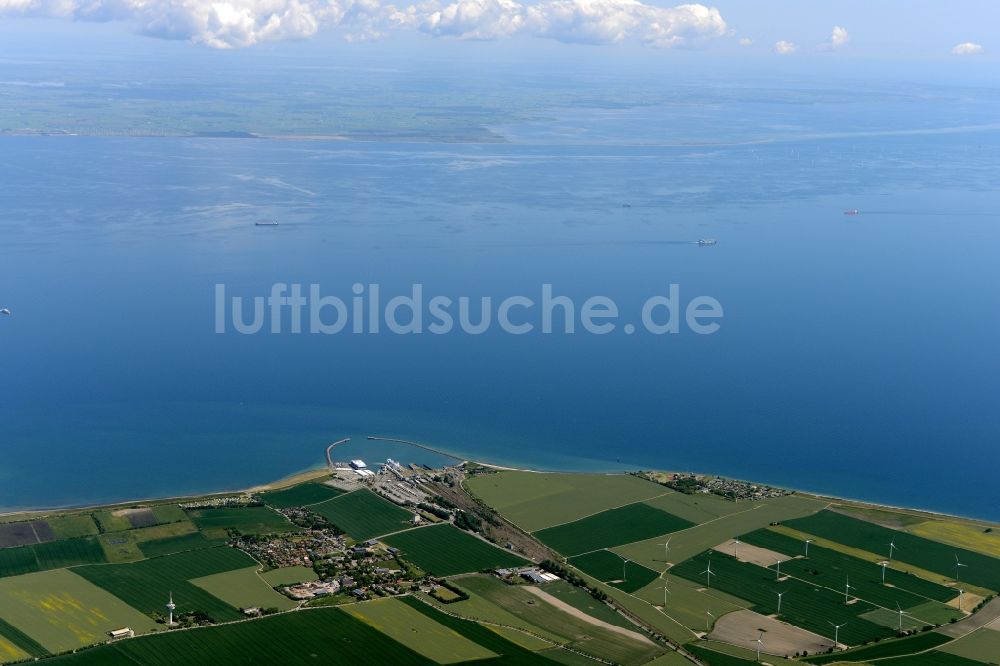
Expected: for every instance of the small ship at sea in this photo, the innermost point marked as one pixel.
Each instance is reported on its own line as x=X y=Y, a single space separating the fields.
x=267 y=223
x=706 y=241
x=4 y=311
x=852 y=212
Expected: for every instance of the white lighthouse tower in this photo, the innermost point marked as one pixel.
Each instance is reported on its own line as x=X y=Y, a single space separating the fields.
x=171 y=606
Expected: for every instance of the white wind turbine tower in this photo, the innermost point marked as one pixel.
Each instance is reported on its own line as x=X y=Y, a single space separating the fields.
x=777 y=575
x=760 y=644
x=708 y=619
x=808 y=541
x=780 y=595
x=899 y=609
x=736 y=547
x=666 y=591
x=961 y=598
x=883 y=564
x=836 y=632
x=708 y=574
x=847 y=590
x=958 y=567
x=892 y=548
x=624 y=565
x=171 y=607
x=666 y=549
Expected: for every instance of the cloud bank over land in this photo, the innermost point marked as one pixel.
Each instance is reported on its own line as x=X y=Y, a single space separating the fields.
x=242 y=23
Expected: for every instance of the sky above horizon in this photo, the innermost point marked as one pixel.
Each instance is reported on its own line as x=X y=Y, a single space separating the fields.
x=895 y=30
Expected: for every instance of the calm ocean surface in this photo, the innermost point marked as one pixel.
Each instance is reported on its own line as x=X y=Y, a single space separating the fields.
x=857 y=355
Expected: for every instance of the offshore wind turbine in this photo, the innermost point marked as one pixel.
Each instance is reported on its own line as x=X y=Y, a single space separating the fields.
x=836 y=632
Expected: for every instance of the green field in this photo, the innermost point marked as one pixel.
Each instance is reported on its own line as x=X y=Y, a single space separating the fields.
x=246 y=520
x=749 y=517
x=445 y=550
x=176 y=544
x=243 y=588
x=581 y=599
x=300 y=495
x=614 y=527
x=534 y=500
x=982 y=645
x=805 y=605
x=289 y=576
x=687 y=603
x=566 y=629
x=981 y=570
x=320 y=636
x=829 y=568
x=16 y=645
x=72 y=526
x=933 y=658
x=125 y=546
x=146 y=585
x=919 y=643
x=364 y=515
x=62 y=611
x=417 y=631
x=50 y=555
x=610 y=568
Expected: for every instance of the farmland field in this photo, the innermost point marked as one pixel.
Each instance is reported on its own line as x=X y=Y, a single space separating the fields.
x=289 y=576
x=146 y=585
x=479 y=606
x=243 y=588
x=534 y=500
x=72 y=525
x=981 y=645
x=125 y=546
x=444 y=550
x=749 y=517
x=828 y=568
x=300 y=495
x=417 y=631
x=614 y=527
x=16 y=645
x=686 y=604
x=62 y=611
x=933 y=658
x=176 y=544
x=609 y=568
x=804 y=605
x=246 y=520
x=981 y=570
x=971 y=537
x=594 y=640
x=565 y=628
x=364 y=515
x=50 y=555
x=582 y=600
x=911 y=645
x=24 y=533
x=320 y=636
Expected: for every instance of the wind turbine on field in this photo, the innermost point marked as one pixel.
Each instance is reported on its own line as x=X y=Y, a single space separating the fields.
x=780 y=595
x=708 y=619
x=836 y=632
x=760 y=644
x=883 y=564
x=777 y=575
x=847 y=590
x=666 y=549
x=899 y=609
x=736 y=547
x=808 y=541
x=892 y=548
x=666 y=591
x=958 y=568
x=708 y=574
x=961 y=599
x=624 y=565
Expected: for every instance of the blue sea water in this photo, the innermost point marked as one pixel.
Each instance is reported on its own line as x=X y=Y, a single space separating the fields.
x=857 y=355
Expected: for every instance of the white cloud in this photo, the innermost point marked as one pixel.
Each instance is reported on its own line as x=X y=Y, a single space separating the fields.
x=785 y=48
x=240 y=23
x=746 y=41
x=967 y=48
x=838 y=37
